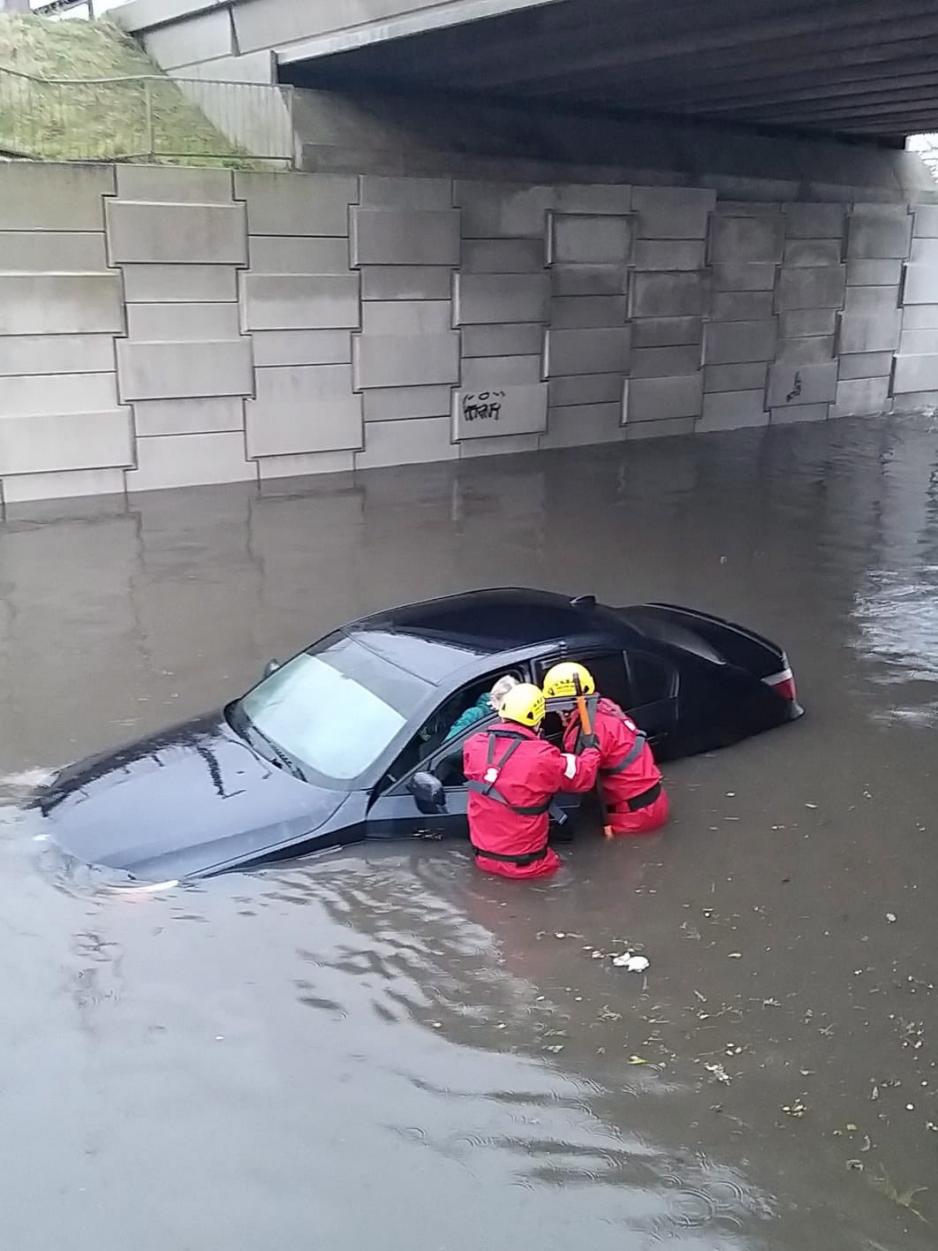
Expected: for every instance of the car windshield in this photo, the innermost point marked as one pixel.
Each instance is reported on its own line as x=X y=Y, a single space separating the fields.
x=335 y=708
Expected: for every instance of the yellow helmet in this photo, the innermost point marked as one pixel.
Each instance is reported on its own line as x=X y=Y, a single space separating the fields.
x=563 y=680
x=524 y=704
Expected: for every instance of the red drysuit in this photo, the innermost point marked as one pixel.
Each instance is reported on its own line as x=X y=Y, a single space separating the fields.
x=635 y=800
x=513 y=775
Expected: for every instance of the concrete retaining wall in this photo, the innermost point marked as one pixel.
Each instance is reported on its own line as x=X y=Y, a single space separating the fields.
x=163 y=327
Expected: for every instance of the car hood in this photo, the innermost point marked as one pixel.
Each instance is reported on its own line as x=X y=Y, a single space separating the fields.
x=191 y=800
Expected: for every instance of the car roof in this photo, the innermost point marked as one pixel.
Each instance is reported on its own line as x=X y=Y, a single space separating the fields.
x=464 y=631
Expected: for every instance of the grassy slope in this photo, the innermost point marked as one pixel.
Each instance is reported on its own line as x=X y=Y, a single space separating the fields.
x=94 y=121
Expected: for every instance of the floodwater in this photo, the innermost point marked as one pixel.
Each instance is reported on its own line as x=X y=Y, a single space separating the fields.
x=383 y=1048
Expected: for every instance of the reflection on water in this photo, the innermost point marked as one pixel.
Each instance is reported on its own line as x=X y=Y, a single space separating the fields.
x=382 y=1047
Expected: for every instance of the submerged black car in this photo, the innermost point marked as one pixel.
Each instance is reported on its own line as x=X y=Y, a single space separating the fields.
x=348 y=740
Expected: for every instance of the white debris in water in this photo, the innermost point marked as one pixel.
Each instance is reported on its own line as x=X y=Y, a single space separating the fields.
x=891 y=918
x=630 y=962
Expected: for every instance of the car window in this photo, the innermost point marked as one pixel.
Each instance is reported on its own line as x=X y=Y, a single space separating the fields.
x=650 y=679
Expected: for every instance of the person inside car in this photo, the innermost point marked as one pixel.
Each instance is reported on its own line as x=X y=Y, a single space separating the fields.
x=487 y=703
x=512 y=775
x=634 y=799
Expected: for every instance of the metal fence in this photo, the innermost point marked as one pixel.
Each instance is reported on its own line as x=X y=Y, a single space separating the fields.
x=147 y=118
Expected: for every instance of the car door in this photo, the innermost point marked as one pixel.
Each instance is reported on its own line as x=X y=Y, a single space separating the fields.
x=652 y=696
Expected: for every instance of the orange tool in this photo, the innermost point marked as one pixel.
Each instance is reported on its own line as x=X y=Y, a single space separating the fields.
x=587 y=726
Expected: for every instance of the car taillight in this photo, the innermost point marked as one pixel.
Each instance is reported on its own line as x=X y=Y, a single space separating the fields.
x=783 y=683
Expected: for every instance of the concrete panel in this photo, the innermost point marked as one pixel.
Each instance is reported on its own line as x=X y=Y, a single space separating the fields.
x=585 y=389
x=921 y=284
x=667 y=331
x=661 y=429
x=672 y=212
x=660 y=399
x=405 y=360
x=203 y=416
x=509 y=410
x=748 y=376
x=874 y=273
x=574 y=311
x=812 y=252
x=407 y=317
x=507 y=445
x=52 y=251
x=879 y=231
x=56 y=354
x=593 y=198
x=502 y=210
x=298 y=254
x=589 y=240
x=302 y=347
x=668 y=295
x=503 y=256
x=57 y=393
x=415 y=193
x=34 y=196
x=732 y=342
x=299 y=301
x=860 y=332
x=180 y=284
x=741 y=239
x=868 y=365
x=870 y=300
x=48 y=442
x=808 y=321
x=196 y=39
x=407 y=443
x=814 y=351
x=174 y=184
x=211 y=234
x=913 y=343
x=190 y=460
x=664 y=362
x=479 y=299
x=60 y=303
x=303 y=408
x=406 y=282
x=798 y=414
x=401 y=403
x=404 y=236
x=801 y=384
x=583 y=425
x=916 y=402
x=916 y=373
x=589 y=280
x=741 y=305
x=518 y=339
x=161 y=323
x=924 y=252
x=25 y=488
x=811 y=288
x=169 y=371
x=485 y=372
x=664 y=254
x=926 y=221
x=733 y=410
x=814 y=221
x=304 y=464
x=744 y=276
x=920 y=317
x=296 y=204
x=587 y=351
x=861 y=397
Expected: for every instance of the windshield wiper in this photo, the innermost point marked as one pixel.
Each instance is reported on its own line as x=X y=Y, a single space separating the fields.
x=282 y=759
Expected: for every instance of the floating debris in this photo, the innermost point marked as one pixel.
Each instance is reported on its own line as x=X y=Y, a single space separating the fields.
x=891 y=918
x=735 y=955
x=630 y=962
x=719 y=1073
x=796 y=1109
x=638 y=1060
x=857 y=1165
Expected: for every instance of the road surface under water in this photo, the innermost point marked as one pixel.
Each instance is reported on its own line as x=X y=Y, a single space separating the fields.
x=383 y=1047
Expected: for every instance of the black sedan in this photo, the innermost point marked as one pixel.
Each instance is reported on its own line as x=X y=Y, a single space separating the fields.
x=348 y=740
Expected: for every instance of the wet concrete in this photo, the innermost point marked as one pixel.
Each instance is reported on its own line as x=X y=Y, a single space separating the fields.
x=383 y=1047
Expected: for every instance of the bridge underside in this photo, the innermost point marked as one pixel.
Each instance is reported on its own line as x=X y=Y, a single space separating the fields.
x=861 y=68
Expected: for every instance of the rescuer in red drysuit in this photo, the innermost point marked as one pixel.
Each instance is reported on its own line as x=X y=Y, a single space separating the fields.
x=634 y=798
x=513 y=775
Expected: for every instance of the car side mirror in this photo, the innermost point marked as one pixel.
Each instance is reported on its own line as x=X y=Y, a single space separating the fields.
x=428 y=791
x=271 y=667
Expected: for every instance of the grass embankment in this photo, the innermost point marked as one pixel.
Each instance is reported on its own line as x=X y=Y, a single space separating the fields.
x=96 y=120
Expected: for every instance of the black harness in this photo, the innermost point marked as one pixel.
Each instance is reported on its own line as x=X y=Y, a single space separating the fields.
x=490 y=791
x=637 y=802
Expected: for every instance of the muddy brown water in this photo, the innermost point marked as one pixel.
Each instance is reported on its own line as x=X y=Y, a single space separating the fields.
x=384 y=1048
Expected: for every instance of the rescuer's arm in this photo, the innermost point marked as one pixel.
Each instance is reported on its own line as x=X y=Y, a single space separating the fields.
x=578 y=773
